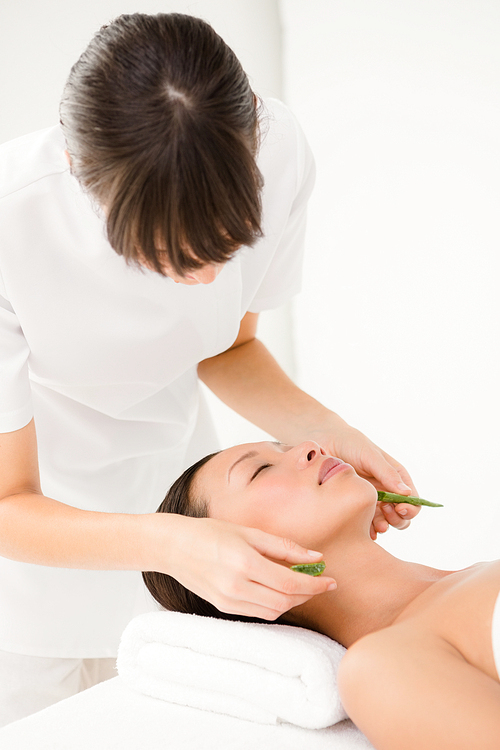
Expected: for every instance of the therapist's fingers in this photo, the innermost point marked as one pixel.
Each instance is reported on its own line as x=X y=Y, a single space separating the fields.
x=401 y=478
x=283 y=579
x=399 y=516
x=265 y=604
x=388 y=474
x=280 y=548
x=272 y=589
x=228 y=565
x=379 y=522
x=269 y=588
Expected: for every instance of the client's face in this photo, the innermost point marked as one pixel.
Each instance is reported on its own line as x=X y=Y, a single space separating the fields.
x=298 y=492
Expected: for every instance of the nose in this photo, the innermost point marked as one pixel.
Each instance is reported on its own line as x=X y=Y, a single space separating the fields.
x=308 y=453
x=206 y=274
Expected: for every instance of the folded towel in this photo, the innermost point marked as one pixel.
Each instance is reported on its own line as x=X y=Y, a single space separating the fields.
x=263 y=673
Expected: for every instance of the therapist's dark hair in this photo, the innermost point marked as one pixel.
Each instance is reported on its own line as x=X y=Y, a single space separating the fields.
x=162 y=130
x=168 y=592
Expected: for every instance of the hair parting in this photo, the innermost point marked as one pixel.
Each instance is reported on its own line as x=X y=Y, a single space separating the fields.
x=162 y=129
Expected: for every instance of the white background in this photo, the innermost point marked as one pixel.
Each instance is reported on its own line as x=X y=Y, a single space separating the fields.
x=397 y=324
x=397 y=327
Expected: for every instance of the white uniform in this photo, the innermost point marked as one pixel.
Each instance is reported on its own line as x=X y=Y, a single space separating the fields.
x=104 y=357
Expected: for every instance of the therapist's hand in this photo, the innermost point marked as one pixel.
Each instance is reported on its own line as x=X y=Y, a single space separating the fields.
x=230 y=566
x=375 y=465
x=388 y=514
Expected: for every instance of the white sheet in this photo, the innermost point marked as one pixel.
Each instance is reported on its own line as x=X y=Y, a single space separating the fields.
x=110 y=716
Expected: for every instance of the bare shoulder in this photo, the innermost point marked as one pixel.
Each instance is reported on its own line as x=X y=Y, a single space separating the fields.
x=406 y=686
x=458 y=609
x=364 y=666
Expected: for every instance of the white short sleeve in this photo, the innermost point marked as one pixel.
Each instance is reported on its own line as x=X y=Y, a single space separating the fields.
x=15 y=394
x=287 y=165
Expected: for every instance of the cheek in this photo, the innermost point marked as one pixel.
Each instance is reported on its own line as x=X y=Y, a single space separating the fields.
x=282 y=509
x=268 y=505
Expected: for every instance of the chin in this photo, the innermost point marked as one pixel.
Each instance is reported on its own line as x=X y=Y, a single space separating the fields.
x=368 y=487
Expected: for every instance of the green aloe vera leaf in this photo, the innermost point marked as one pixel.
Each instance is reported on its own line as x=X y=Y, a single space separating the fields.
x=311 y=569
x=391 y=497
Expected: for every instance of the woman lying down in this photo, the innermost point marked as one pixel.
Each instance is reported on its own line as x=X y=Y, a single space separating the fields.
x=420 y=669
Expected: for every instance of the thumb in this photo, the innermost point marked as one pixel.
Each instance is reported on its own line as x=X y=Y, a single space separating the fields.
x=390 y=478
x=281 y=548
x=390 y=474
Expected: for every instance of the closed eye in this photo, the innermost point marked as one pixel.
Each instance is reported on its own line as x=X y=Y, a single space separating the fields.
x=264 y=466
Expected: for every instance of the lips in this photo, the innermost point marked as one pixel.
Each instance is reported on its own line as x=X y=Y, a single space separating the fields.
x=328 y=469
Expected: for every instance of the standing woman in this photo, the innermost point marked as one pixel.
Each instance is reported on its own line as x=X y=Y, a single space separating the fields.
x=138 y=243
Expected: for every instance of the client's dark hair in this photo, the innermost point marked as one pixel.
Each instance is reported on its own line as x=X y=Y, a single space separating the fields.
x=167 y=591
x=161 y=127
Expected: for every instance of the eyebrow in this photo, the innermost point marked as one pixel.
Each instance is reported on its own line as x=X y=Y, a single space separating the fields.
x=250 y=454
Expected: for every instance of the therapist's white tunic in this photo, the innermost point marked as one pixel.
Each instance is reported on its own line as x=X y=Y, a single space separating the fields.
x=104 y=357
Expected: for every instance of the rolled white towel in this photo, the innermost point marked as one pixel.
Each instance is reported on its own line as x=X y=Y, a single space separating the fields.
x=262 y=673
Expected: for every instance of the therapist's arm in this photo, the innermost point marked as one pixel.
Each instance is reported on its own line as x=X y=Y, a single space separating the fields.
x=38 y=529
x=247 y=378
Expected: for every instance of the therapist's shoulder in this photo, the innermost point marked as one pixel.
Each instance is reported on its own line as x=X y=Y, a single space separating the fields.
x=283 y=147
x=30 y=158
x=278 y=125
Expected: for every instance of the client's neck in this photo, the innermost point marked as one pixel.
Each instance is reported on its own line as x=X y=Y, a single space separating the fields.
x=373 y=588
